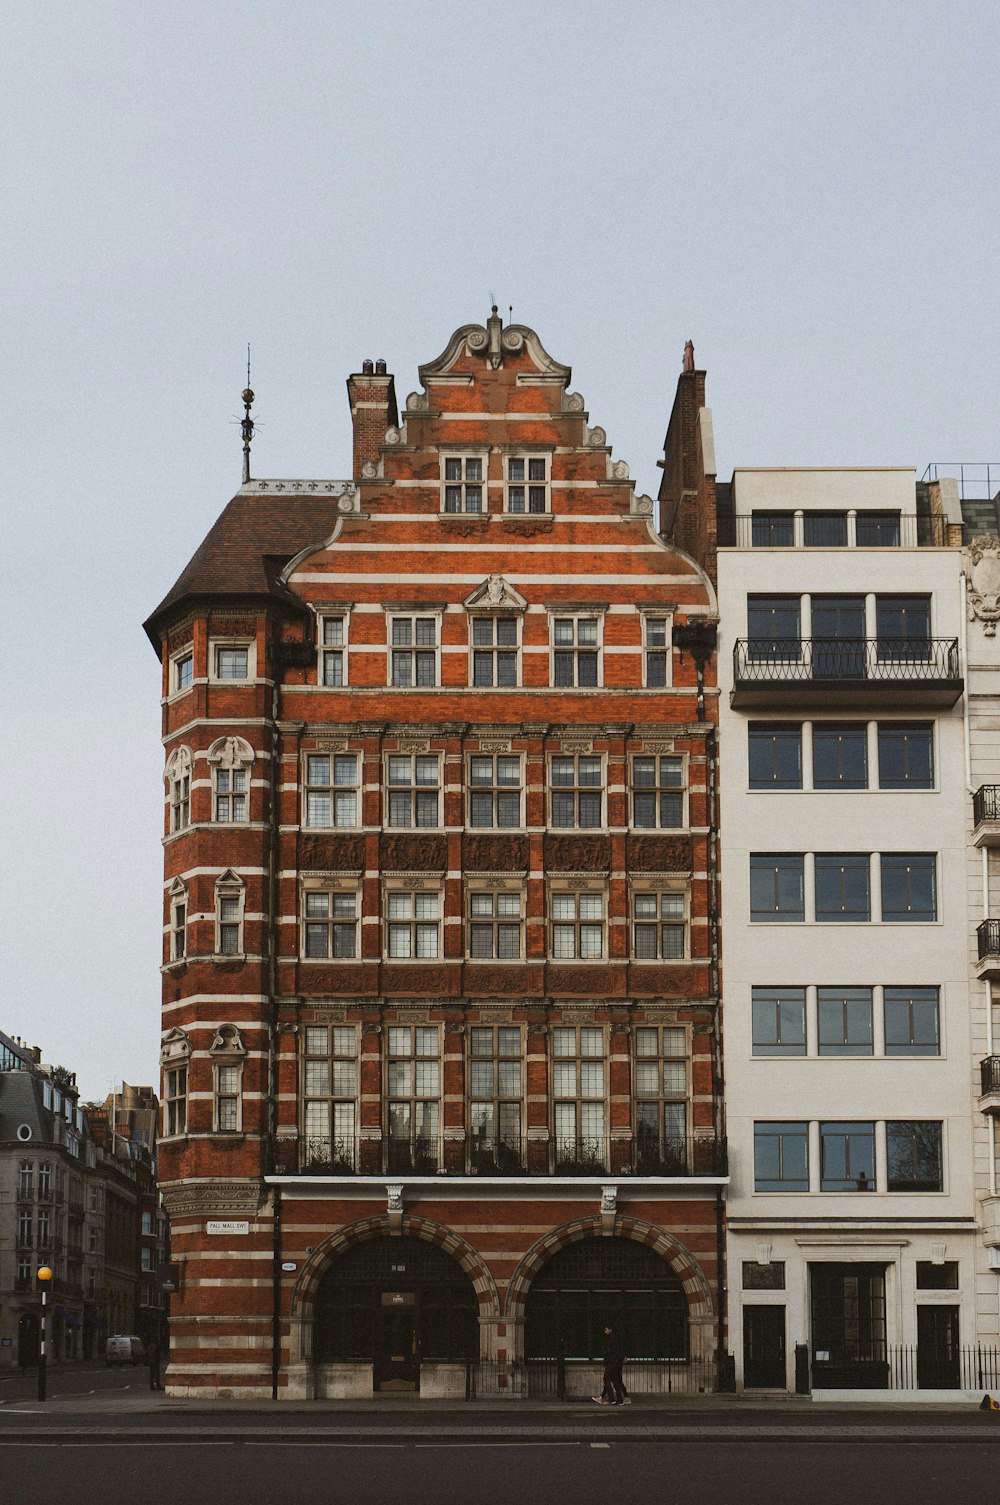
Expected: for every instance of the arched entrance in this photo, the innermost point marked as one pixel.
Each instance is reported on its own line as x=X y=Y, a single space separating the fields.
x=598 y=1281
x=395 y=1303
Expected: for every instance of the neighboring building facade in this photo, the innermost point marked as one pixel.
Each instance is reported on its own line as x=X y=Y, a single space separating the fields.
x=979 y=490
x=440 y=993
x=852 y=1232
x=69 y=1200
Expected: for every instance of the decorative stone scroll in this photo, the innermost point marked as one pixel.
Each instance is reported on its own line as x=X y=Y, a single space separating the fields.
x=983 y=582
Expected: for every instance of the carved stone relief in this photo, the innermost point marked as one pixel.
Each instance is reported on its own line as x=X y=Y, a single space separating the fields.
x=494 y=854
x=983 y=582
x=577 y=854
x=411 y=854
x=658 y=853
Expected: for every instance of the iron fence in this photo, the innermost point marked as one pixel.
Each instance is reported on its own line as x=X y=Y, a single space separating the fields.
x=876 y=660
x=643 y=1155
x=986 y=803
x=971 y=1367
x=988 y=939
x=565 y=1378
x=989 y=1070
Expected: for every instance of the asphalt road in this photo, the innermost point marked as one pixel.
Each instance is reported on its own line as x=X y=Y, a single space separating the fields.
x=435 y=1473
x=84 y=1378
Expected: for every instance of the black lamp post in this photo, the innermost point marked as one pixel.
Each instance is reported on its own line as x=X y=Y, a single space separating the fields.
x=44 y=1276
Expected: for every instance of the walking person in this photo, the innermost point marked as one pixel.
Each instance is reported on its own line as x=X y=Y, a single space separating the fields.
x=153 y=1360
x=613 y=1390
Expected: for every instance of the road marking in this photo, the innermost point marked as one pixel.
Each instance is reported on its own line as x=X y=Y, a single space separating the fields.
x=600 y=1444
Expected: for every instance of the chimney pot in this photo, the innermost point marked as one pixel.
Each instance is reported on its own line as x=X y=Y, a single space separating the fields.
x=380 y=368
x=367 y=368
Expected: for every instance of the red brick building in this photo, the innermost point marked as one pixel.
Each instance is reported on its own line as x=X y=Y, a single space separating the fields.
x=440 y=996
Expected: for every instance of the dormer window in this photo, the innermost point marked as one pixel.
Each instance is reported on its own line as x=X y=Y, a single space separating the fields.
x=527 y=484
x=463 y=477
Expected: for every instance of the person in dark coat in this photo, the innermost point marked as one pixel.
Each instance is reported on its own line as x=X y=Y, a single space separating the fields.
x=153 y=1360
x=613 y=1391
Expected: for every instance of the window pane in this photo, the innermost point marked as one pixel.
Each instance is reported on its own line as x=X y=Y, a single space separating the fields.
x=840 y=756
x=781 y=1157
x=779 y=1021
x=909 y=890
x=845 y=1021
x=843 y=887
x=905 y=756
x=912 y=1022
x=776 y=887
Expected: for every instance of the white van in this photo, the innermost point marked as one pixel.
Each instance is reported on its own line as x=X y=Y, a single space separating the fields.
x=123 y=1350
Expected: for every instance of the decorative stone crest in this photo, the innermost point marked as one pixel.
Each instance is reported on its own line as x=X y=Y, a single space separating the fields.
x=609 y=1209
x=495 y=594
x=983 y=582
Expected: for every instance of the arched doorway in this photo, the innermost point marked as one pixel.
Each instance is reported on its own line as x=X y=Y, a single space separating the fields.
x=598 y=1281
x=395 y=1303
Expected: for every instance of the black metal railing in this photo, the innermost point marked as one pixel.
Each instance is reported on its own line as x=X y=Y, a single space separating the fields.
x=877 y=660
x=989 y=1072
x=644 y=1155
x=986 y=803
x=328 y=1157
x=414 y=1157
x=972 y=1367
x=988 y=939
x=579 y=1157
x=496 y=1157
x=565 y=1378
x=865 y=530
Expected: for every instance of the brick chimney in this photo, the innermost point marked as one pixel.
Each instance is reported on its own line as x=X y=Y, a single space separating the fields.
x=687 y=490
x=372 y=395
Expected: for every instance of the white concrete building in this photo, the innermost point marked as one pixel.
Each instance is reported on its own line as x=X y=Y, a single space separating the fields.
x=852 y=1211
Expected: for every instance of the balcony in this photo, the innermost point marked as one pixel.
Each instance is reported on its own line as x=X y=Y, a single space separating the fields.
x=846 y=672
x=986 y=816
x=833 y=530
x=988 y=946
x=989 y=1069
x=510 y=1156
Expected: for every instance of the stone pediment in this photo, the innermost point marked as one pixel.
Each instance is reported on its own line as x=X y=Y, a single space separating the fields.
x=495 y=594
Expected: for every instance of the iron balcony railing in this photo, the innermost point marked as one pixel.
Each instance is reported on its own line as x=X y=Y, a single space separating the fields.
x=511 y=1156
x=879 y=660
x=978 y=481
x=863 y=530
x=988 y=939
x=986 y=804
x=989 y=1070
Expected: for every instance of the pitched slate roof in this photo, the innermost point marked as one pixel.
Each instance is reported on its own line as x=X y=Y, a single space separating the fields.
x=246 y=550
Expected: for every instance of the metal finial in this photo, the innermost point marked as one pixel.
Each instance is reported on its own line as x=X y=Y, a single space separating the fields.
x=246 y=422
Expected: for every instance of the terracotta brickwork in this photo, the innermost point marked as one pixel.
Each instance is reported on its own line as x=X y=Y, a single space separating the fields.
x=337 y=693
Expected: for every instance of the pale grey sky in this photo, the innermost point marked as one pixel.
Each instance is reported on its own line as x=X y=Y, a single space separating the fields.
x=808 y=191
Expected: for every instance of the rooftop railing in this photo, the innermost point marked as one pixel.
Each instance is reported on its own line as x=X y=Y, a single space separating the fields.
x=832 y=530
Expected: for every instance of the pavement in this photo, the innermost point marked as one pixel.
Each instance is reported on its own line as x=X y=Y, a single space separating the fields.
x=135 y=1413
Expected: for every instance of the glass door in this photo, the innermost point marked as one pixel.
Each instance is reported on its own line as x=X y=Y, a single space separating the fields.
x=838 y=637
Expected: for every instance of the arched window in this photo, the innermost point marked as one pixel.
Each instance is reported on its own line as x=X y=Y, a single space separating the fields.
x=228 y=1054
x=178 y=776
x=178 y=921
x=349 y=1302
x=231 y=760
x=174 y=1057
x=600 y=1281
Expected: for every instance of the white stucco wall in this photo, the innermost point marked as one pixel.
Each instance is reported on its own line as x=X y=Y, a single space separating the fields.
x=894 y=1228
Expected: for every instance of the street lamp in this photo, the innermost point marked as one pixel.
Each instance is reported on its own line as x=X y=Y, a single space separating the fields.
x=44 y=1275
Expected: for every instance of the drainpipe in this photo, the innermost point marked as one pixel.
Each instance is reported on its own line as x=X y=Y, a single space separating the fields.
x=271 y=1108
x=276 y=1295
